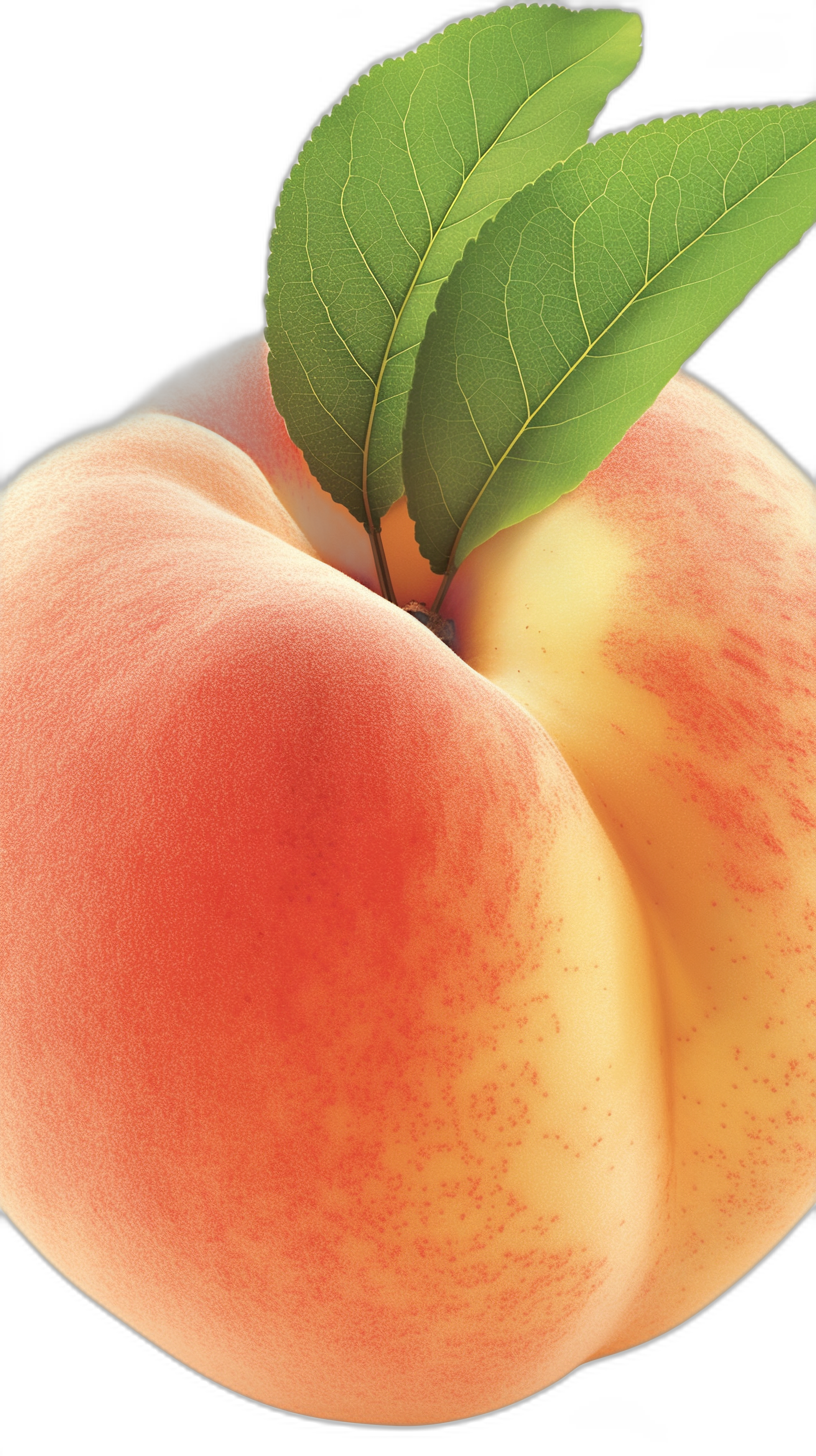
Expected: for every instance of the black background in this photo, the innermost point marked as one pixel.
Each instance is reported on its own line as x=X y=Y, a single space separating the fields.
x=146 y=159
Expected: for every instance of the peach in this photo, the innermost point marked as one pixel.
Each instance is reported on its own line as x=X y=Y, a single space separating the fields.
x=387 y=1031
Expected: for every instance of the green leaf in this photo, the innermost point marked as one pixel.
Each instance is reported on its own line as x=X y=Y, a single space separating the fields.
x=579 y=302
x=384 y=198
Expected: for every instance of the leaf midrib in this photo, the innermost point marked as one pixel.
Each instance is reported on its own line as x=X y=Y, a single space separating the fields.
x=434 y=235
x=612 y=323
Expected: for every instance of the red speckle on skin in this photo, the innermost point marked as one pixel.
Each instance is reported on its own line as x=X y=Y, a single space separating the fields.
x=715 y=517
x=316 y=908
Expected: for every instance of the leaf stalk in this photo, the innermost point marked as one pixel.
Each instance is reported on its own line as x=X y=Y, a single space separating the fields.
x=444 y=584
x=380 y=562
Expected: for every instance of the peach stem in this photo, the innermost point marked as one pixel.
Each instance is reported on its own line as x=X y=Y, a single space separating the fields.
x=383 y=574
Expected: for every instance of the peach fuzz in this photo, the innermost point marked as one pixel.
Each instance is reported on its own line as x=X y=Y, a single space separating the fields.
x=387 y=1032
